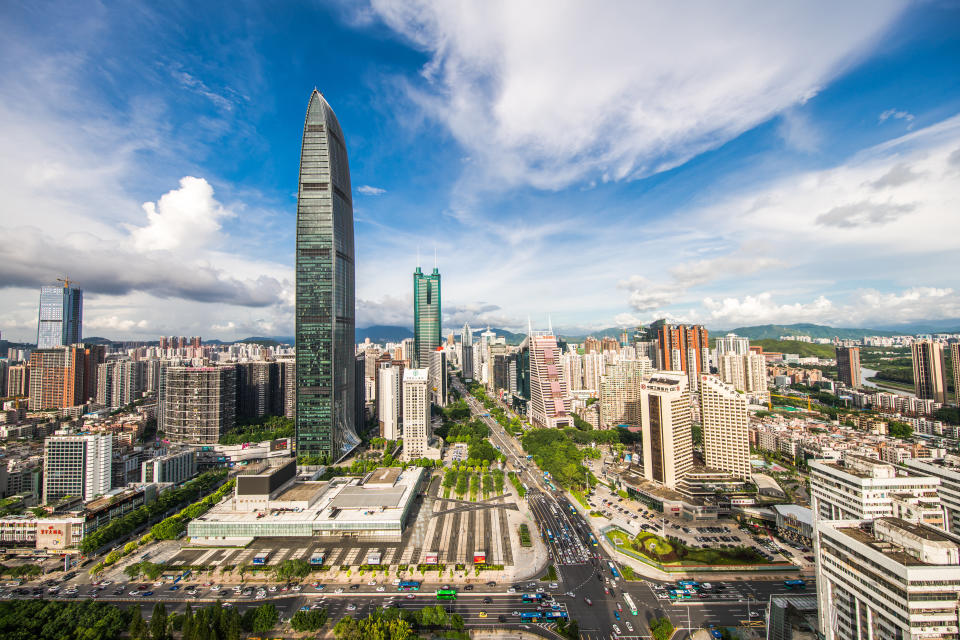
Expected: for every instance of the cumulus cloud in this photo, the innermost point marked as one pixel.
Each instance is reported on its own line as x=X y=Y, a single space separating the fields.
x=859 y=214
x=547 y=93
x=762 y=309
x=898 y=175
x=185 y=218
x=367 y=190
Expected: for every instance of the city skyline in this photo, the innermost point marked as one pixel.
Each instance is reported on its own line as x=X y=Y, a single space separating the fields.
x=783 y=196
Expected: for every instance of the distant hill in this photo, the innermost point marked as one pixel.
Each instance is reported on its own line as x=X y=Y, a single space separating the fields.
x=774 y=331
x=804 y=349
x=610 y=332
x=275 y=341
x=383 y=333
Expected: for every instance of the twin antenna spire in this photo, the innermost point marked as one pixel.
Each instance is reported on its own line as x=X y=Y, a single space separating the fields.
x=436 y=264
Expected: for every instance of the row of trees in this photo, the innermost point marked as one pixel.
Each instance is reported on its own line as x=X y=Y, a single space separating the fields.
x=397 y=624
x=213 y=622
x=173 y=498
x=271 y=428
x=554 y=451
x=170 y=528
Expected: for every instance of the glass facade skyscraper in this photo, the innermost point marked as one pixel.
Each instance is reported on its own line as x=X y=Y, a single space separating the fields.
x=61 y=316
x=325 y=290
x=426 y=316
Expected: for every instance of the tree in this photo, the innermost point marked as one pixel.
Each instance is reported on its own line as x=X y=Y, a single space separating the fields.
x=138 y=628
x=158 y=622
x=292 y=569
x=187 y=626
x=265 y=618
x=661 y=628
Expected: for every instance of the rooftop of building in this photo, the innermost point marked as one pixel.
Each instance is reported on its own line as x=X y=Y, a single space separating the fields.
x=903 y=531
x=301 y=491
x=801 y=514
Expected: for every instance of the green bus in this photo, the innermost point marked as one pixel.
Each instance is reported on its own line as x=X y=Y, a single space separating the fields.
x=446 y=594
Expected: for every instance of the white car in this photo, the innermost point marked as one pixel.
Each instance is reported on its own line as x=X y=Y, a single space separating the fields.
x=616 y=629
x=158 y=583
x=629 y=626
x=215 y=587
x=381 y=589
x=339 y=590
x=273 y=587
x=351 y=607
x=296 y=587
x=106 y=583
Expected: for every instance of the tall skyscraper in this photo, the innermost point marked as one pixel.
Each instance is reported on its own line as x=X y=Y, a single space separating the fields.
x=848 y=366
x=325 y=305
x=466 y=353
x=549 y=403
x=620 y=393
x=732 y=343
x=667 y=440
x=439 y=383
x=426 y=316
x=61 y=316
x=64 y=376
x=928 y=370
x=76 y=465
x=726 y=427
x=682 y=348
x=388 y=401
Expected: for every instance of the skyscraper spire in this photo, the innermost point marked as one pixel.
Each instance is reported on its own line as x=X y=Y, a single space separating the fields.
x=550 y=324
x=529 y=326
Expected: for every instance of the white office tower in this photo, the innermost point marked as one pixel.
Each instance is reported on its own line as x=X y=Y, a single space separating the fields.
x=549 y=402
x=572 y=366
x=407 y=347
x=732 y=343
x=667 y=441
x=77 y=465
x=726 y=427
x=388 y=404
x=439 y=382
x=860 y=488
x=593 y=368
x=620 y=392
x=886 y=579
x=477 y=364
x=948 y=470
x=416 y=415
x=755 y=373
x=466 y=353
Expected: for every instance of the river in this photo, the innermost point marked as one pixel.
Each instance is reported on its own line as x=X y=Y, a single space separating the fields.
x=869 y=373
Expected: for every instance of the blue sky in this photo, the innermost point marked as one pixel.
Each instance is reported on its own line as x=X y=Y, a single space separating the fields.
x=732 y=165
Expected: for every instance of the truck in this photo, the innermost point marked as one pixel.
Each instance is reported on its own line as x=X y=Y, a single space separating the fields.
x=316 y=559
x=261 y=558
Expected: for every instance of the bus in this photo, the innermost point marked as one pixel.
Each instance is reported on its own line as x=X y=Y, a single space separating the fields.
x=446 y=594
x=613 y=570
x=531 y=616
x=316 y=559
x=630 y=605
x=680 y=594
x=261 y=558
x=550 y=535
x=593 y=540
x=408 y=585
x=688 y=583
x=555 y=615
x=795 y=584
x=572 y=510
x=532 y=597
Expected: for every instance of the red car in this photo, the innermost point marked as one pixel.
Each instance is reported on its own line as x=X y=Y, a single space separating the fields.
x=588 y=601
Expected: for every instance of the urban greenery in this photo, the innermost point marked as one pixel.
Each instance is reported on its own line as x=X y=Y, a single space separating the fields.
x=259 y=430
x=310 y=620
x=515 y=481
x=397 y=624
x=51 y=620
x=662 y=628
x=167 y=500
x=21 y=571
x=170 y=528
x=525 y=536
x=554 y=452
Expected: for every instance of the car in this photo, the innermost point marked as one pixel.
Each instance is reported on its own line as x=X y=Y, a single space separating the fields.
x=629 y=626
x=588 y=601
x=569 y=594
x=501 y=618
x=381 y=589
x=619 y=607
x=147 y=594
x=469 y=587
x=304 y=608
x=191 y=591
x=158 y=583
x=616 y=614
x=105 y=583
x=273 y=587
x=482 y=614
x=491 y=584
x=554 y=585
x=339 y=590
x=351 y=607
x=516 y=613
x=216 y=587
x=606 y=590
x=616 y=629
x=511 y=590
x=410 y=596
x=297 y=587
x=372 y=583
x=487 y=601
x=118 y=591
x=173 y=588
x=354 y=587
x=135 y=594
x=319 y=587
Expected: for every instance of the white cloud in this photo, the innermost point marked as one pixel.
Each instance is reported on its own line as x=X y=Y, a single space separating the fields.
x=367 y=190
x=549 y=93
x=187 y=218
x=896 y=115
x=761 y=309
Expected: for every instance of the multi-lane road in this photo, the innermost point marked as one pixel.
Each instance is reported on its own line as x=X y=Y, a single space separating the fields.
x=583 y=569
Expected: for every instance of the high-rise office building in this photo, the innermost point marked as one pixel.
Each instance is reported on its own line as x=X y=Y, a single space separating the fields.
x=549 y=402
x=466 y=353
x=928 y=371
x=726 y=427
x=76 y=465
x=620 y=392
x=861 y=488
x=120 y=382
x=426 y=316
x=257 y=383
x=848 y=366
x=955 y=361
x=417 y=431
x=388 y=401
x=197 y=404
x=61 y=316
x=886 y=579
x=325 y=305
x=666 y=416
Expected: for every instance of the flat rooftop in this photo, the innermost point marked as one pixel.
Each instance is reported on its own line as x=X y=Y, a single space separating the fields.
x=301 y=491
x=886 y=548
x=383 y=475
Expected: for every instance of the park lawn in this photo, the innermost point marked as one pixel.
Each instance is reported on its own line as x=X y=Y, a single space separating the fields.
x=658 y=549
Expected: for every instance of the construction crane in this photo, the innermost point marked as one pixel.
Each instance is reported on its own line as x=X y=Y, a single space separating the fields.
x=774 y=395
x=66 y=282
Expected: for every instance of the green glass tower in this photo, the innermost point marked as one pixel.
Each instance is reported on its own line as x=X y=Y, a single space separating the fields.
x=325 y=412
x=426 y=316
